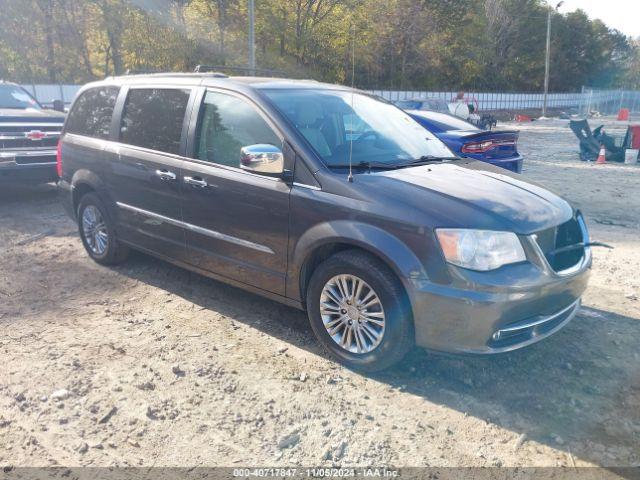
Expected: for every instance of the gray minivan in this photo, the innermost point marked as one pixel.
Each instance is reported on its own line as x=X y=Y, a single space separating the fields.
x=326 y=199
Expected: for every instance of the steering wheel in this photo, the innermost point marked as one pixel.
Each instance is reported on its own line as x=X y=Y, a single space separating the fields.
x=366 y=134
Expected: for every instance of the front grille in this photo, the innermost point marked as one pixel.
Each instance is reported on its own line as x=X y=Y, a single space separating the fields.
x=556 y=243
x=27 y=127
x=15 y=136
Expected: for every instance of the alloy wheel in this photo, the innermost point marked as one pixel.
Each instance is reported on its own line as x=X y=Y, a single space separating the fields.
x=95 y=230
x=352 y=313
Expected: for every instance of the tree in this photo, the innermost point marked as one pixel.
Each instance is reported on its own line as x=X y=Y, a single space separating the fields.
x=631 y=79
x=113 y=16
x=401 y=44
x=47 y=8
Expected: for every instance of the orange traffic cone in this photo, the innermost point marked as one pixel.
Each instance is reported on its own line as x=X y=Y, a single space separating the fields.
x=602 y=156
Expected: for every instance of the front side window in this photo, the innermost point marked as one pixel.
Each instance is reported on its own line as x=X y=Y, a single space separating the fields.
x=339 y=123
x=92 y=111
x=228 y=123
x=153 y=118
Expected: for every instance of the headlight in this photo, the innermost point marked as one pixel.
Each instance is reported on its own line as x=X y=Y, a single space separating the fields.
x=480 y=249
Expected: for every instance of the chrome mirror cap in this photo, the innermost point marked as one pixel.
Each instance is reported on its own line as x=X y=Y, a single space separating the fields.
x=262 y=158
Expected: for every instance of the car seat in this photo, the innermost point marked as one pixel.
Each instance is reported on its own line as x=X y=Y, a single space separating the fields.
x=309 y=119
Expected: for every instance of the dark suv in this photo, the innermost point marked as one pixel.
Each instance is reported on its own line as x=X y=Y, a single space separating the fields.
x=326 y=199
x=28 y=137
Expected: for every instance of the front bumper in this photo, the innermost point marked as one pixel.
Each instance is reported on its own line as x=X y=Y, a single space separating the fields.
x=38 y=166
x=499 y=311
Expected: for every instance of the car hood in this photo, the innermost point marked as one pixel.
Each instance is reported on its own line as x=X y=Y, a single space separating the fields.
x=30 y=115
x=465 y=194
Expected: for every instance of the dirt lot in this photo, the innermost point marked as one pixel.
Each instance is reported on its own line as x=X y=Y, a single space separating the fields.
x=147 y=364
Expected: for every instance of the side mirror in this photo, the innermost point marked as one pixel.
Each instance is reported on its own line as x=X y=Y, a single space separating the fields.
x=264 y=159
x=58 y=105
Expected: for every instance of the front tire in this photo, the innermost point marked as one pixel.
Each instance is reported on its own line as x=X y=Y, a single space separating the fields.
x=359 y=311
x=97 y=232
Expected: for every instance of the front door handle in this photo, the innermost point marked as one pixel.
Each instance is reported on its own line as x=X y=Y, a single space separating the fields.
x=196 y=181
x=166 y=175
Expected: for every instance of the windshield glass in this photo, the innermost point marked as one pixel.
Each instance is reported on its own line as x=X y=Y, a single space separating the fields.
x=408 y=104
x=433 y=104
x=12 y=96
x=336 y=122
x=443 y=122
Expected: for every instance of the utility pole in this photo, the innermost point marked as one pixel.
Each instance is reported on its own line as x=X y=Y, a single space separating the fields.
x=547 y=59
x=546 y=65
x=252 y=40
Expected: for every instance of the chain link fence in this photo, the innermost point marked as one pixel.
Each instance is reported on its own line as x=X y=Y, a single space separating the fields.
x=609 y=102
x=606 y=102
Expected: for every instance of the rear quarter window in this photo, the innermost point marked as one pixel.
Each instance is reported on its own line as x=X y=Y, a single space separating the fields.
x=153 y=118
x=92 y=111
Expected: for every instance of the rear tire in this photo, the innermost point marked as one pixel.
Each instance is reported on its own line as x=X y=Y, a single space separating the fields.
x=365 y=321
x=97 y=232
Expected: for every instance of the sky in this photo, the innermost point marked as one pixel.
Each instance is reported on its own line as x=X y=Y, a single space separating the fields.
x=623 y=15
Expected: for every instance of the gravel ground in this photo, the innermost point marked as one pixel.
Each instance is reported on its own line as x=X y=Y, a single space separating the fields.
x=148 y=364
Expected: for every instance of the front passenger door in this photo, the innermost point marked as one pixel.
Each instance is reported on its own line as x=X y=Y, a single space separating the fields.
x=238 y=220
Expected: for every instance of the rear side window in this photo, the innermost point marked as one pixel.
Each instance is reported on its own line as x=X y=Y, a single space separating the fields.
x=91 y=112
x=153 y=118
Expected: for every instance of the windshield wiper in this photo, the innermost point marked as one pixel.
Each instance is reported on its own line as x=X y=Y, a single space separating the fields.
x=424 y=159
x=367 y=165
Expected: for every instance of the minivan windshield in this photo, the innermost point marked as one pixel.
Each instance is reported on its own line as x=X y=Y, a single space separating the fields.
x=337 y=122
x=12 y=96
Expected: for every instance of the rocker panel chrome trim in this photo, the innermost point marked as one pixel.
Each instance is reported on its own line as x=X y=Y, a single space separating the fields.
x=197 y=229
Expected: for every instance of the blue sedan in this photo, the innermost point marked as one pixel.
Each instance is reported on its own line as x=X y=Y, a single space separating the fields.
x=497 y=147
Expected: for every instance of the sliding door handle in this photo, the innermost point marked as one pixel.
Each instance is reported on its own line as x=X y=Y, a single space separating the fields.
x=196 y=181
x=165 y=175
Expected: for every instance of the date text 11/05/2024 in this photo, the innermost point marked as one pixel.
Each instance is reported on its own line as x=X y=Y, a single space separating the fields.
x=368 y=472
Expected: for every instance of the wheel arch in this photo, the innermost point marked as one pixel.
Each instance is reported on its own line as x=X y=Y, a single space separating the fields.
x=83 y=182
x=324 y=240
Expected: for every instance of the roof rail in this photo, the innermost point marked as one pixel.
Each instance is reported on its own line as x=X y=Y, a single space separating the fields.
x=139 y=71
x=214 y=71
x=242 y=70
x=209 y=69
x=158 y=73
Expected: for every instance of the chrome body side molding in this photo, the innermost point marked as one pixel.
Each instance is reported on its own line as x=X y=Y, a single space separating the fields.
x=197 y=229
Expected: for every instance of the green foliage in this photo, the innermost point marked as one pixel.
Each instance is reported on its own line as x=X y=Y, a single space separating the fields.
x=399 y=44
x=631 y=78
